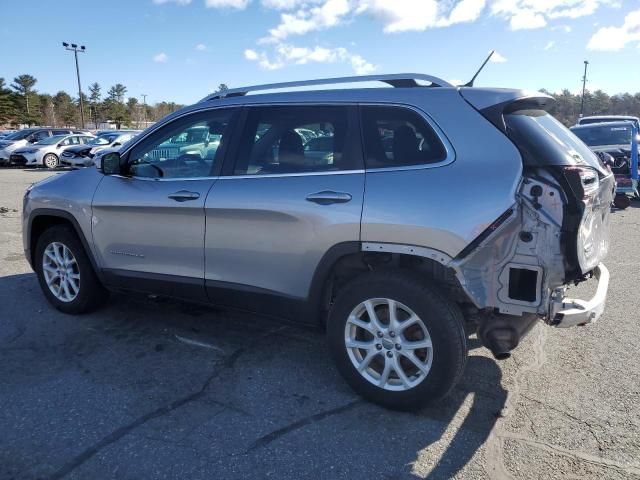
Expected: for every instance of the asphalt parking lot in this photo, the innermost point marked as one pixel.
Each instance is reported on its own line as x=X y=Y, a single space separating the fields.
x=154 y=388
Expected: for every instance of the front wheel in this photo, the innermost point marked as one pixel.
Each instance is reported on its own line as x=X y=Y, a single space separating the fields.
x=396 y=339
x=65 y=272
x=51 y=160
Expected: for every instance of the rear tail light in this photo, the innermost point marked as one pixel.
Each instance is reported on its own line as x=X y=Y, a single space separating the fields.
x=584 y=181
x=592 y=239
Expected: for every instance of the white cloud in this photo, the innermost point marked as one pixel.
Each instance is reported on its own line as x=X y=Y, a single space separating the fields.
x=201 y=47
x=177 y=2
x=237 y=4
x=285 y=4
x=616 y=38
x=464 y=11
x=403 y=15
x=497 y=58
x=528 y=14
x=250 y=54
x=527 y=19
x=160 y=58
x=549 y=45
x=286 y=54
x=306 y=19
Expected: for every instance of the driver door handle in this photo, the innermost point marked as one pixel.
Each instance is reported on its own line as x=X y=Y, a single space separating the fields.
x=328 y=197
x=184 y=196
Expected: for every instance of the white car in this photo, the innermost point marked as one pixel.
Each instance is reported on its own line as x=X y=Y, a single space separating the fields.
x=47 y=152
x=28 y=136
x=83 y=155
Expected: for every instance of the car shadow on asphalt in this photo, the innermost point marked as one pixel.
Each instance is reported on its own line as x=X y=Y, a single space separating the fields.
x=274 y=396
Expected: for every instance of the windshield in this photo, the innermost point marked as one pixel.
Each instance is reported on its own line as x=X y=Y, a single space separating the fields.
x=19 y=135
x=543 y=140
x=51 y=140
x=604 y=135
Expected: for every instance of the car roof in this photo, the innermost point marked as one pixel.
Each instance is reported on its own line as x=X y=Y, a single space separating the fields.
x=619 y=123
x=621 y=117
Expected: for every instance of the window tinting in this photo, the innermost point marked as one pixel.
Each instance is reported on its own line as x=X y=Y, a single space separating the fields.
x=543 y=140
x=185 y=148
x=295 y=139
x=397 y=137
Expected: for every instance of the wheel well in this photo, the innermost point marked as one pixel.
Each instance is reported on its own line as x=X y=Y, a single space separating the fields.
x=349 y=266
x=39 y=225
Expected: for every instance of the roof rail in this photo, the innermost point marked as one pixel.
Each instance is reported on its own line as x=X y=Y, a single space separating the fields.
x=398 y=80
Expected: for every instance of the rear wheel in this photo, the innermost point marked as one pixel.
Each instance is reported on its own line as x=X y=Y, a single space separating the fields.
x=51 y=160
x=65 y=273
x=396 y=340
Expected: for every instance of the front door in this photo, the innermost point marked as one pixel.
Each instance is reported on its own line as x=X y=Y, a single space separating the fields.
x=149 y=225
x=294 y=192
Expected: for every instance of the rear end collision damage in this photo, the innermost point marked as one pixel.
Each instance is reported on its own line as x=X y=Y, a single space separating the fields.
x=556 y=233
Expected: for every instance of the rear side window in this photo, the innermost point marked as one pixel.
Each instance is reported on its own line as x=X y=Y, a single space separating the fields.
x=544 y=141
x=296 y=139
x=398 y=137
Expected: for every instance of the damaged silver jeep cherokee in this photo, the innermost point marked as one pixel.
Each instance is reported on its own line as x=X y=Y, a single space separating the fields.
x=389 y=215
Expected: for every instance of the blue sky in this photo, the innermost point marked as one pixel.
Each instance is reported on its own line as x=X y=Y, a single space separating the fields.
x=180 y=50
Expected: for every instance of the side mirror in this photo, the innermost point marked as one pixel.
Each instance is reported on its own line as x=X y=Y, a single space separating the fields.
x=110 y=163
x=32 y=140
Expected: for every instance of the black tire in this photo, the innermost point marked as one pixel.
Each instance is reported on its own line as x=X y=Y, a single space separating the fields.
x=621 y=201
x=91 y=293
x=442 y=318
x=51 y=156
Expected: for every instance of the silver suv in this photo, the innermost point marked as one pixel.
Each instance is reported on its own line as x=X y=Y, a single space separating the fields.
x=428 y=206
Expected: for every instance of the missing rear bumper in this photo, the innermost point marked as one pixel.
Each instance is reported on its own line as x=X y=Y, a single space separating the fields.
x=569 y=312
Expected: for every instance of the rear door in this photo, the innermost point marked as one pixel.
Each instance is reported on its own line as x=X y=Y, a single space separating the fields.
x=278 y=209
x=149 y=226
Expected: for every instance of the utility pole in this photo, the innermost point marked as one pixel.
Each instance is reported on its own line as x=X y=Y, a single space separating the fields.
x=584 y=86
x=74 y=48
x=144 y=110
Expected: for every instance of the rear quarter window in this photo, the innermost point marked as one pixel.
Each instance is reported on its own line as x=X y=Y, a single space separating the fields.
x=544 y=141
x=398 y=137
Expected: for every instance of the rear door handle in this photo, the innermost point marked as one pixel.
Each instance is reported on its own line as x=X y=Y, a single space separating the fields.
x=328 y=197
x=184 y=196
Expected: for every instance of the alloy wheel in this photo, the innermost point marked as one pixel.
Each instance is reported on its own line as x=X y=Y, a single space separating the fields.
x=51 y=161
x=388 y=344
x=61 y=272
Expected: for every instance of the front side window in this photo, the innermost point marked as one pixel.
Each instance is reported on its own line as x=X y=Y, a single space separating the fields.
x=295 y=139
x=41 y=135
x=185 y=148
x=50 y=140
x=398 y=137
x=71 y=141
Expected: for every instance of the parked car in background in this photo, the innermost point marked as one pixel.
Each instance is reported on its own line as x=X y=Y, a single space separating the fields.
x=26 y=136
x=6 y=133
x=123 y=130
x=47 y=151
x=618 y=143
x=388 y=248
x=609 y=118
x=82 y=155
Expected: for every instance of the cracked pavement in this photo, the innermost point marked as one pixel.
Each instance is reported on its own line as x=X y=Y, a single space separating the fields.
x=155 y=388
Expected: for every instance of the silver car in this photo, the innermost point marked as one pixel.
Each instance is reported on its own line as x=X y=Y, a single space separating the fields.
x=47 y=152
x=432 y=207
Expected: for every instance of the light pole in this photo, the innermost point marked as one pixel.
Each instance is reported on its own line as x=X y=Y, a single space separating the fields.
x=584 y=85
x=144 y=110
x=74 y=48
